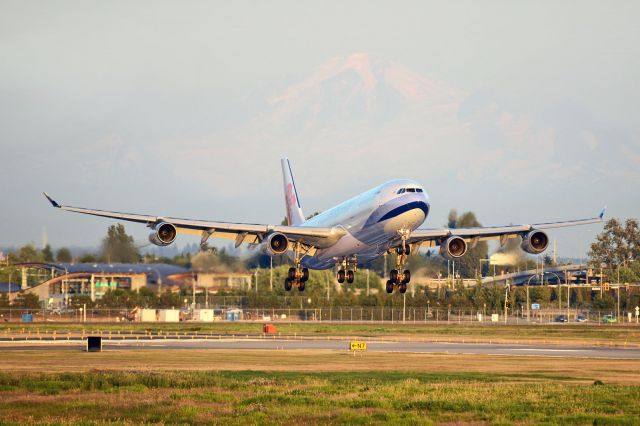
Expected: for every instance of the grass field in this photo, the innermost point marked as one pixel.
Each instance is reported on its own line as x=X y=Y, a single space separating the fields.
x=312 y=387
x=252 y=397
x=578 y=334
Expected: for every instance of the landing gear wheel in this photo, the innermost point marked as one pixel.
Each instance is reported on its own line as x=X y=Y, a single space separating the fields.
x=305 y=275
x=403 y=288
x=301 y=286
x=407 y=276
x=350 y=277
x=406 y=251
x=389 y=286
x=341 y=276
x=292 y=274
x=393 y=276
x=287 y=284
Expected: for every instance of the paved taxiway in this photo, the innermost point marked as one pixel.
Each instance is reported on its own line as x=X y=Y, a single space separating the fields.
x=377 y=346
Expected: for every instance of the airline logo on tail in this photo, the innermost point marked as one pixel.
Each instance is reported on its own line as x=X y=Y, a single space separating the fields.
x=294 y=212
x=290 y=201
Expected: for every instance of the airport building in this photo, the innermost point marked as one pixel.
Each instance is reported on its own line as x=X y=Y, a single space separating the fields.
x=55 y=283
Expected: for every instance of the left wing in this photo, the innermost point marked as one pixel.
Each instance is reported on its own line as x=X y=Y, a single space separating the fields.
x=250 y=233
x=433 y=237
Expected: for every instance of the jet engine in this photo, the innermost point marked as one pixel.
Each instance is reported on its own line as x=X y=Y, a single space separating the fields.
x=275 y=243
x=163 y=234
x=453 y=248
x=535 y=242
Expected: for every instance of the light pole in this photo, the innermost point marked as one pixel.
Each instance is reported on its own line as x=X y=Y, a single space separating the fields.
x=618 y=307
x=10 y=275
x=271 y=273
x=527 y=287
x=559 y=289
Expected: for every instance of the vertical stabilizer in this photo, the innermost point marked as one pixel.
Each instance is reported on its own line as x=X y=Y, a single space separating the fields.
x=291 y=200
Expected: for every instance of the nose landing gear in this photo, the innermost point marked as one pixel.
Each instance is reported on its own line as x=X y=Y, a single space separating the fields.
x=399 y=277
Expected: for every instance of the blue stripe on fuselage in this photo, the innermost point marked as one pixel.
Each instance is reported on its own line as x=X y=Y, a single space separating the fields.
x=405 y=208
x=396 y=207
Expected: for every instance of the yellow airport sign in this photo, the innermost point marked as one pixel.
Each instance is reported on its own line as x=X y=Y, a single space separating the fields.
x=358 y=346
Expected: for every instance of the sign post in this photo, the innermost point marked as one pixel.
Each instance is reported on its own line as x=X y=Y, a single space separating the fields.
x=357 y=346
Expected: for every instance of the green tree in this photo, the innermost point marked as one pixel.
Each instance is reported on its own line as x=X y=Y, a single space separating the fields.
x=27 y=300
x=119 y=247
x=26 y=253
x=63 y=255
x=47 y=254
x=88 y=258
x=4 y=300
x=78 y=301
x=617 y=245
x=468 y=265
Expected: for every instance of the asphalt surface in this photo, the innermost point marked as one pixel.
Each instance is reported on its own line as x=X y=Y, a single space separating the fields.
x=372 y=345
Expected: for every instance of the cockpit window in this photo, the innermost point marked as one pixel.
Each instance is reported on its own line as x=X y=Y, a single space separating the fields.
x=418 y=189
x=400 y=191
x=411 y=190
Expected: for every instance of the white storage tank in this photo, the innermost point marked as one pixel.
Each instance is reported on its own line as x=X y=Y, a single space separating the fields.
x=203 y=315
x=148 y=315
x=169 y=315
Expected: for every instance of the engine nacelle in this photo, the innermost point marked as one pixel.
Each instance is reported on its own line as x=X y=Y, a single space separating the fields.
x=163 y=234
x=275 y=243
x=535 y=242
x=453 y=248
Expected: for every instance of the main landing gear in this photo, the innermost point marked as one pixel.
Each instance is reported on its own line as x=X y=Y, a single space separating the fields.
x=399 y=278
x=349 y=275
x=296 y=276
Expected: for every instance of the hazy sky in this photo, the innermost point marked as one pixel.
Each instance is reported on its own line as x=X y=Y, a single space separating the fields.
x=519 y=111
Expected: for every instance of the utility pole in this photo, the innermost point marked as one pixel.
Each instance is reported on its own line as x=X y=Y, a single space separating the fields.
x=506 y=298
x=601 y=281
x=618 y=316
x=328 y=281
x=193 y=295
x=404 y=305
x=568 y=299
x=367 y=282
x=559 y=291
x=527 y=287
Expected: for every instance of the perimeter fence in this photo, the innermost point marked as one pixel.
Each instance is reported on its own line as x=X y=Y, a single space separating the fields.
x=365 y=314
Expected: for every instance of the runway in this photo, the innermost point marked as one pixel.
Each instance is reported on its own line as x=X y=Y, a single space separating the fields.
x=536 y=350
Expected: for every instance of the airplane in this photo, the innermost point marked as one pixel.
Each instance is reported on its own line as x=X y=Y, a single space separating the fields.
x=384 y=219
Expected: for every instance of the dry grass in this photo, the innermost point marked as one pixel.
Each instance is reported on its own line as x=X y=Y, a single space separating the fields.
x=178 y=386
x=583 y=370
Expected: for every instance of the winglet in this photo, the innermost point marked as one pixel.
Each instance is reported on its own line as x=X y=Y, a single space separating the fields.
x=601 y=215
x=51 y=200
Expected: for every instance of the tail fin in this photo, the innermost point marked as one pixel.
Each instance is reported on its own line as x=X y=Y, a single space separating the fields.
x=291 y=200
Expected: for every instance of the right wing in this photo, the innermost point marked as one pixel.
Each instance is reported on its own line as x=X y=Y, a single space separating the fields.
x=433 y=237
x=311 y=237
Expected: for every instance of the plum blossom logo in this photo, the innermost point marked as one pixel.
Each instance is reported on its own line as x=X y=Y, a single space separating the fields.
x=290 y=200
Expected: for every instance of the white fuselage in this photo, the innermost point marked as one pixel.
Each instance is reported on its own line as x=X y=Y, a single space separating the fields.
x=374 y=221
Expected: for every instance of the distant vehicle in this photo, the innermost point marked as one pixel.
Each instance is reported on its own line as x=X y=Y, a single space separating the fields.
x=385 y=219
x=561 y=318
x=581 y=318
x=609 y=319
